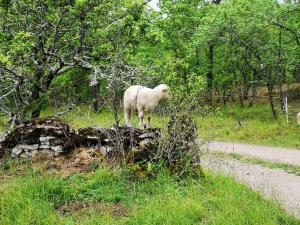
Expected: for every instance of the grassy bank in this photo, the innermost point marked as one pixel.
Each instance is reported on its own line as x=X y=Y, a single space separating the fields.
x=106 y=196
x=250 y=125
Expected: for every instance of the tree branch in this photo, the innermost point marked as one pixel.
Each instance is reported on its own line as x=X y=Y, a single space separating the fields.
x=294 y=33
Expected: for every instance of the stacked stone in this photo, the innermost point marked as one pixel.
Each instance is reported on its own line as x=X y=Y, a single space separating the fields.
x=50 y=142
x=58 y=138
x=23 y=150
x=46 y=143
x=40 y=135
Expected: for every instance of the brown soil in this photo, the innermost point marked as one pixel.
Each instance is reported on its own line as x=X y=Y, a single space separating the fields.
x=82 y=160
x=115 y=210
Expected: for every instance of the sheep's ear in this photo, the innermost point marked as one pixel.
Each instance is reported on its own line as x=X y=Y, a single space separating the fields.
x=164 y=90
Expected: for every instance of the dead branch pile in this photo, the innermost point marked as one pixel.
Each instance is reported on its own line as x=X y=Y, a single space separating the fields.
x=58 y=138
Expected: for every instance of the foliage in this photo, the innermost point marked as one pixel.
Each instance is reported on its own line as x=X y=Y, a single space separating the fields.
x=208 y=51
x=44 y=40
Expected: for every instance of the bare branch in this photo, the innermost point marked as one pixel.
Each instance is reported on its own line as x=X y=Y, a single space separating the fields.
x=11 y=71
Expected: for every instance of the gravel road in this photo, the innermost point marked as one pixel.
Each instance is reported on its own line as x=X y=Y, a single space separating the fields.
x=271 y=183
x=282 y=155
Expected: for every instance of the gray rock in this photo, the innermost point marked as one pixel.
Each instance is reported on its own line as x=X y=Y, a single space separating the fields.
x=93 y=137
x=57 y=148
x=46 y=139
x=45 y=146
x=45 y=143
x=59 y=132
x=148 y=135
x=105 y=150
x=47 y=127
x=29 y=147
x=17 y=150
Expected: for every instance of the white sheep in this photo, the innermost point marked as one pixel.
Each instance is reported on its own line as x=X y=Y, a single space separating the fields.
x=298 y=118
x=143 y=99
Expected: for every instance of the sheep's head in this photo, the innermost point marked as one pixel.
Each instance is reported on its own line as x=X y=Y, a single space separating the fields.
x=163 y=91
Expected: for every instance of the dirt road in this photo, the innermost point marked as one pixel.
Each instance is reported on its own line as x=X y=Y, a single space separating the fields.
x=282 y=155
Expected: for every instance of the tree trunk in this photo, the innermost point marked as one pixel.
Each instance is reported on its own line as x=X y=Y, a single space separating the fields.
x=231 y=94
x=225 y=97
x=211 y=64
x=281 y=92
x=197 y=55
x=210 y=72
x=241 y=96
x=271 y=100
x=246 y=87
x=95 y=97
x=280 y=71
x=36 y=95
x=253 y=97
x=36 y=89
x=218 y=95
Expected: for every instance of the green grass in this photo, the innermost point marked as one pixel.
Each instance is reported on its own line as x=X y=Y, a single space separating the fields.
x=257 y=127
x=36 y=198
x=3 y=122
x=272 y=165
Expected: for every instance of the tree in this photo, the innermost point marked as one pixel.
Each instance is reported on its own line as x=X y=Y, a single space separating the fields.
x=45 y=39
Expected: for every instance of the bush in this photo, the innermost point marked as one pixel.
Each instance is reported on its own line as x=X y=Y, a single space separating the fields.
x=178 y=150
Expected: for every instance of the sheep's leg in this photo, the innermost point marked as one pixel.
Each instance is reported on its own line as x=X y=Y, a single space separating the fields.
x=127 y=113
x=149 y=119
x=141 y=117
